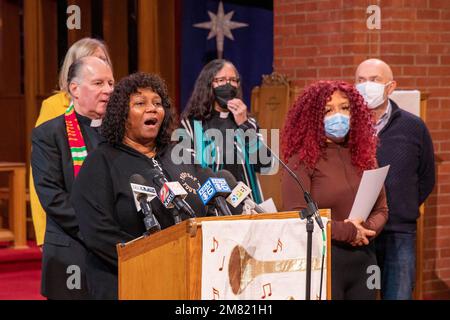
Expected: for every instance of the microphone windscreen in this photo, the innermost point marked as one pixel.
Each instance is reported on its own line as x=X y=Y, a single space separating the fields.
x=138 y=179
x=157 y=176
x=208 y=171
x=204 y=173
x=228 y=176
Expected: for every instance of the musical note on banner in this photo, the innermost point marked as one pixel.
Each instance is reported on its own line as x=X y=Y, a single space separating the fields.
x=264 y=289
x=223 y=262
x=279 y=245
x=215 y=293
x=215 y=245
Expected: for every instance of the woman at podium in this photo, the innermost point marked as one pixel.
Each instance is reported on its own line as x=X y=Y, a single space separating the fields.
x=329 y=140
x=137 y=128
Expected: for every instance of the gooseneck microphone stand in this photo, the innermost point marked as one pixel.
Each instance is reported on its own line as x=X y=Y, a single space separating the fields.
x=311 y=211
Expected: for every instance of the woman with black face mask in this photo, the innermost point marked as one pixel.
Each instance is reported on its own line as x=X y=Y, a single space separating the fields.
x=212 y=118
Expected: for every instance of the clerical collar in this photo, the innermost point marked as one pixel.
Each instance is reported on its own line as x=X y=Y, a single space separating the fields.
x=221 y=114
x=95 y=123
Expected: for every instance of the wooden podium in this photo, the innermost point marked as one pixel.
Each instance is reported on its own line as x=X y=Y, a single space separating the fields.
x=168 y=265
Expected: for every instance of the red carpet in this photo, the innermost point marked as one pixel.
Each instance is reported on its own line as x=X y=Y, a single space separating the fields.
x=20 y=273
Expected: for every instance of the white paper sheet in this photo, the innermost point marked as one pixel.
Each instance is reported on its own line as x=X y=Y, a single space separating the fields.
x=269 y=206
x=369 y=189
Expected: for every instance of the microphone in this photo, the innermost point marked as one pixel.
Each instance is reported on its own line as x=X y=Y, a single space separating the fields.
x=171 y=194
x=240 y=192
x=213 y=191
x=143 y=195
x=203 y=174
x=311 y=207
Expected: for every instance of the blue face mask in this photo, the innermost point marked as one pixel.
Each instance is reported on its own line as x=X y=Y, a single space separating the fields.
x=337 y=125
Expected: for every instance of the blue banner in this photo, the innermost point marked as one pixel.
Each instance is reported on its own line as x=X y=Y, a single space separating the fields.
x=249 y=23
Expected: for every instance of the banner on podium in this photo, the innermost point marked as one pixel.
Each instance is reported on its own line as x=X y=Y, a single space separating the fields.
x=260 y=260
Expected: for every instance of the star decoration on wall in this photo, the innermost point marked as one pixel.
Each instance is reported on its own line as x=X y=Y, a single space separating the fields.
x=220 y=26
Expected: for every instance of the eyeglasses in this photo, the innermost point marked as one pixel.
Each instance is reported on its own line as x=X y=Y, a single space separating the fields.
x=223 y=80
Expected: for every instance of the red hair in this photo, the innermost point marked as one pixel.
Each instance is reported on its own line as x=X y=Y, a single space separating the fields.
x=304 y=132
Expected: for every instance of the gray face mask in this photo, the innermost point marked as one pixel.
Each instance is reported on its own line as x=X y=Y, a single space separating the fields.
x=224 y=93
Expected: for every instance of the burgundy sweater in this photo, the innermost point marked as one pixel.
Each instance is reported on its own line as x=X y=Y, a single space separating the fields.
x=333 y=184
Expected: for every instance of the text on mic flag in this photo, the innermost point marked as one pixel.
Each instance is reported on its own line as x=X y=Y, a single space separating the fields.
x=239 y=193
x=141 y=189
x=211 y=187
x=169 y=191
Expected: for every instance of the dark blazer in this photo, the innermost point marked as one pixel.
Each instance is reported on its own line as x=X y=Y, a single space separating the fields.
x=405 y=144
x=53 y=176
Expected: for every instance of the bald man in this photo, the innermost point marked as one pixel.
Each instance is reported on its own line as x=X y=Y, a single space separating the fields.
x=59 y=147
x=404 y=144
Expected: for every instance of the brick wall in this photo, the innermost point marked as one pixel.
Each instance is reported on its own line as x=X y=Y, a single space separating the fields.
x=327 y=39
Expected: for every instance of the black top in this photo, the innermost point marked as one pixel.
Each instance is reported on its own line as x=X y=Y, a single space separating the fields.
x=229 y=159
x=227 y=156
x=406 y=145
x=103 y=200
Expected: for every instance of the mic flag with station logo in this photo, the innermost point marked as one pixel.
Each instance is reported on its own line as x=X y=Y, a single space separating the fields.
x=139 y=189
x=238 y=194
x=213 y=187
x=169 y=191
x=239 y=31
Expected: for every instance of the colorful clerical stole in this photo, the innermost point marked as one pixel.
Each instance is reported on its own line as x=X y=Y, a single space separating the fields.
x=75 y=138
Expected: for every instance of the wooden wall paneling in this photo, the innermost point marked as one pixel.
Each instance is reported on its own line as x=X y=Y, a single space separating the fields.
x=10 y=82
x=12 y=128
x=48 y=50
x=115 y=33
x=156 y=40
x=31 y=63
x=270 y=103
x=40 y=60
x=148 y=53
x=166 y=44
x=86 y=26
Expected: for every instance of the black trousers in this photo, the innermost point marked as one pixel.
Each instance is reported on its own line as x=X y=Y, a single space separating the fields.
x=59 y=253
x=350 y=273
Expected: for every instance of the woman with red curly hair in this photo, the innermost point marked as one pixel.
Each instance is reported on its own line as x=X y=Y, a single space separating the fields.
x=329 y=140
